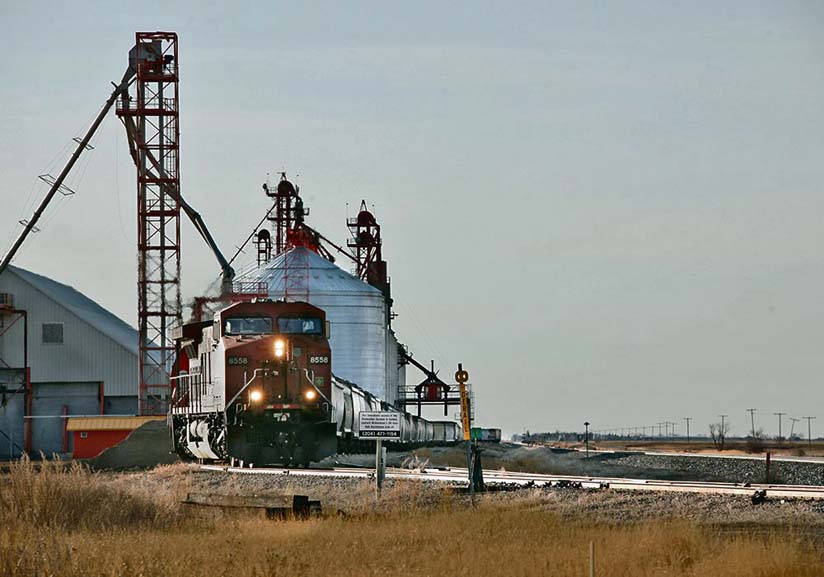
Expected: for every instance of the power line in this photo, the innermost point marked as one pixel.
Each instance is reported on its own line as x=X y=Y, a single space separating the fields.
x=722 y=434
x=809 y=431
x=752 y=420
x=794 y=420
x=779 y=415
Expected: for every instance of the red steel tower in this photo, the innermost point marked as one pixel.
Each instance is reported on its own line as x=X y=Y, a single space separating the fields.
x=289 y=212
x=150 y=113
x=290 y=233
x=366 y=246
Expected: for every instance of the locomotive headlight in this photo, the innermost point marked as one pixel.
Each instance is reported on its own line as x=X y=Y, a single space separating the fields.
x=256 y=395
x=310 y=395
x=280 y=348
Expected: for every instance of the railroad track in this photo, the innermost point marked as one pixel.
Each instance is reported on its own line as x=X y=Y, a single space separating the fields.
x=459 y=475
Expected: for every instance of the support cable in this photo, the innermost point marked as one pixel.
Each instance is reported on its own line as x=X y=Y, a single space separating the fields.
x=58 y=182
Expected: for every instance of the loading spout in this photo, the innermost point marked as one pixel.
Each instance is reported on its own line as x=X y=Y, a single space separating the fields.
x=57 y=184
x=430 y=373
x=227 y=272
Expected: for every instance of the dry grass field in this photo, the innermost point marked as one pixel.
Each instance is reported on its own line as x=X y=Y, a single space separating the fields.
x=59 y=520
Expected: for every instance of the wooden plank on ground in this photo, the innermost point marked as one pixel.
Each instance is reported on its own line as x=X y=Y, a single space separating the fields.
x=287 y=502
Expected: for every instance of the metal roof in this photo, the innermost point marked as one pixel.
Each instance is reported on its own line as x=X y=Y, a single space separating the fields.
x=104 y=423
x=83 y=307
x=324 y=277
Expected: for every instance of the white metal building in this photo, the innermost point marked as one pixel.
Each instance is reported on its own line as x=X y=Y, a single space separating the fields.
x=364 y=347
x=81 y=359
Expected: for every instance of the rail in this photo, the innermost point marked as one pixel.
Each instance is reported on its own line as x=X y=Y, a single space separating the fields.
x=187 y=392
x=515 y=479
x=169 y=105
x=250 y=289
x=410 y=395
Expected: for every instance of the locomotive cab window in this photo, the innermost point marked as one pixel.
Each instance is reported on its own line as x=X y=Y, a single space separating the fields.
x=300 y=325
x=248 y=326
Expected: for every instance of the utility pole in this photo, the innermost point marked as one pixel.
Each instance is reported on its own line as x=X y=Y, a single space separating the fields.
x=723 y=433
x=779 y=415
x=792 y=428
x=688 y=419
x=659 y=429
x=752 y=421
x=809 y=431
x=586 y=437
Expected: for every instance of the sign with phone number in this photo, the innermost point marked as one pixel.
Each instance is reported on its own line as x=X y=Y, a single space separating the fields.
x=379 y=425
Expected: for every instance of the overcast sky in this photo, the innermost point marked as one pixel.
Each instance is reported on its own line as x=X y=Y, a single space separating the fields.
x=607 y=211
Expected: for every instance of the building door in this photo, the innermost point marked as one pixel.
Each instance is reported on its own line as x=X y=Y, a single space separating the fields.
x=12 y=405
x=48 y=422
x=11 y=425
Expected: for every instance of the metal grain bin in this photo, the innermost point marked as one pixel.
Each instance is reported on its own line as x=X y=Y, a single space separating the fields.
x=355 y=310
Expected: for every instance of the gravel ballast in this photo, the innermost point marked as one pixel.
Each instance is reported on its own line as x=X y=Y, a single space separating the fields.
x=356 y=496
x=539 y=459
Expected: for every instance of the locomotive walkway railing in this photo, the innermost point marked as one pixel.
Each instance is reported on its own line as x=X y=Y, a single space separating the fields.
x=187 y=391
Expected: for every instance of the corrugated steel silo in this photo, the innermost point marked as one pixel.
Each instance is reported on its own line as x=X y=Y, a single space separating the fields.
x=363 y=348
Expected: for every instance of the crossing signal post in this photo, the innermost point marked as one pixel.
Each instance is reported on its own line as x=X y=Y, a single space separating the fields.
x=461 y=377
x=473 y=459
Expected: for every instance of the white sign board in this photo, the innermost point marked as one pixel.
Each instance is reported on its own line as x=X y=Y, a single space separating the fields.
x=379 y=425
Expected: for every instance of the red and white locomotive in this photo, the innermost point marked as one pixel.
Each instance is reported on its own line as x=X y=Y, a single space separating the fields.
x=256 y=385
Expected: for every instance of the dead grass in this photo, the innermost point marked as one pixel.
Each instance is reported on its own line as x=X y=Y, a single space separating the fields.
x=51 y=494
x=70 y=522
